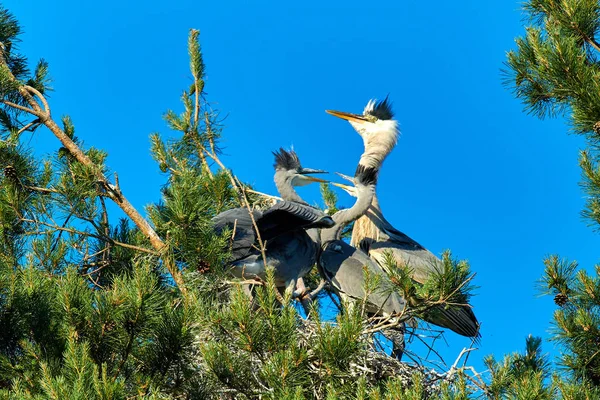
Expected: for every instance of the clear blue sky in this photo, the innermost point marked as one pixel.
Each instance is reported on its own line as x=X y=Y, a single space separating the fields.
x=471 y=173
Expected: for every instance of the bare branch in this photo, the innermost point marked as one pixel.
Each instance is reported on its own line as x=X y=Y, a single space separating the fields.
x=78 y=232
x=19 y=107
x=39 y=96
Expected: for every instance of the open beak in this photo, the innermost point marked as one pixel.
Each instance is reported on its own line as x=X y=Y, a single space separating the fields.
x=341 y=185
x=347 y=116
x=313 y=179
x=305 y=171
x=346 y=177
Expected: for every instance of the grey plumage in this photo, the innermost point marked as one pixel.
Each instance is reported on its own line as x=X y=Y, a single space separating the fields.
x=290 y=249
x=344 y=266
x=375 y=235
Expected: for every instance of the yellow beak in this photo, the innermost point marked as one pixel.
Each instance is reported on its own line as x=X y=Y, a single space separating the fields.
x=313 y=179
x=347 y=116
x=340 y=185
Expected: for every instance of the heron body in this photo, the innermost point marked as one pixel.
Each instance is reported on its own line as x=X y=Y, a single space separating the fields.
x=289 y=249
x=346 y=267
x=376 y=236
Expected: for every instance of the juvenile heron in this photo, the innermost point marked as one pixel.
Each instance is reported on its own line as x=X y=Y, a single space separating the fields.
x=343 y=266
x=375 y=235
x=289 y=248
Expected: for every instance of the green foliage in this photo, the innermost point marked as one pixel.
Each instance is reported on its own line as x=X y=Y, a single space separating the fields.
x=555 y=70
x=87 y=309
x=450 y=285
x=521 y=375
x=577 y=322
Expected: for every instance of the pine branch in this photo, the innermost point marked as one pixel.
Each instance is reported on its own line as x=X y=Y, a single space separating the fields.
x=88 y=234
x=44 y=117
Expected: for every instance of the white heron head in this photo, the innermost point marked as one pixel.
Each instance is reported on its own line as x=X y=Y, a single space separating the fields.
x=378 y=128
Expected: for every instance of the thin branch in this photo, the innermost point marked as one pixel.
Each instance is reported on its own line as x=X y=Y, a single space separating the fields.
x=88 y=234
x=590 y=40
x=268 y=196
x=102 y=264
x=61 y=232
x=20 y=107
x=40 y=189
x=262 y=244
x=39 y=96
x=229 y=174
x=320 y=287
x=29 y=126
x=74 y=149
x=210 y=133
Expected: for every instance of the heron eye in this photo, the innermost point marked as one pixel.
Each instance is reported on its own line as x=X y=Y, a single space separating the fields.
x=371 y=118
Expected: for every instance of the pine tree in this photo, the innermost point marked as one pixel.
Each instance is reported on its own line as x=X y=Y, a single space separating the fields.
x=555 y=71
x=94 y=307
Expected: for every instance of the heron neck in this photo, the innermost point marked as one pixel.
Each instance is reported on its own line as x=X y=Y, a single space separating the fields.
x=286 y=190
x=376 y=150
x=366 y=227
x=344 y=217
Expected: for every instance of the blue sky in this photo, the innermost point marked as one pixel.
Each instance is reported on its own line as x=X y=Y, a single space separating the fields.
x=471 y=172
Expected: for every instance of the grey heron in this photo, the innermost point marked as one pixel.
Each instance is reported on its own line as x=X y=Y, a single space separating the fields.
x=289 y=248
x=374 y=234
x=343 y=266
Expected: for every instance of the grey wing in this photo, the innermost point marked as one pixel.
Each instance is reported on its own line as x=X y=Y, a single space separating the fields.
x=343 y=266
x=459 y=319
x=422 y=263
x=243 y=235
x=294 y=254
x=287 y=216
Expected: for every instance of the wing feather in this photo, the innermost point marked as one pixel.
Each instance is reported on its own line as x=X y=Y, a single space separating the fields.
x=423 y=264
x=343 y=266
x=287 y=216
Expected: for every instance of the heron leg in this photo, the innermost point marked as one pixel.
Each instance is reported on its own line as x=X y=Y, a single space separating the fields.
x=301 y=288
x=396 y=336
x=290 y=287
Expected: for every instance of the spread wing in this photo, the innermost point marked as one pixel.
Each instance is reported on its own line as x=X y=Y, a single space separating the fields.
x=243 y=235
x=287 y=216
x=281 y=218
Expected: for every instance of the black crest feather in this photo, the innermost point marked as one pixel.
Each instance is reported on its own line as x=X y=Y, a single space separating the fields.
x=366 y=175
x=286 y=159
x=382 y=109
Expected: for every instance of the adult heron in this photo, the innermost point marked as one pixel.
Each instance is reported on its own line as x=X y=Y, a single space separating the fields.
x=375 y=235
x=282 y=229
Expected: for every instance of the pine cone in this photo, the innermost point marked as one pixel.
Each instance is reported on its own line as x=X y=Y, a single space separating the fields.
x=203 y=267
x=596 y=127
x=11 y=173
x=561 y=299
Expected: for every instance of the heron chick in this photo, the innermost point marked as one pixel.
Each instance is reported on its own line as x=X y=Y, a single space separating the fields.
x=282 y=228
x=344 y=266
